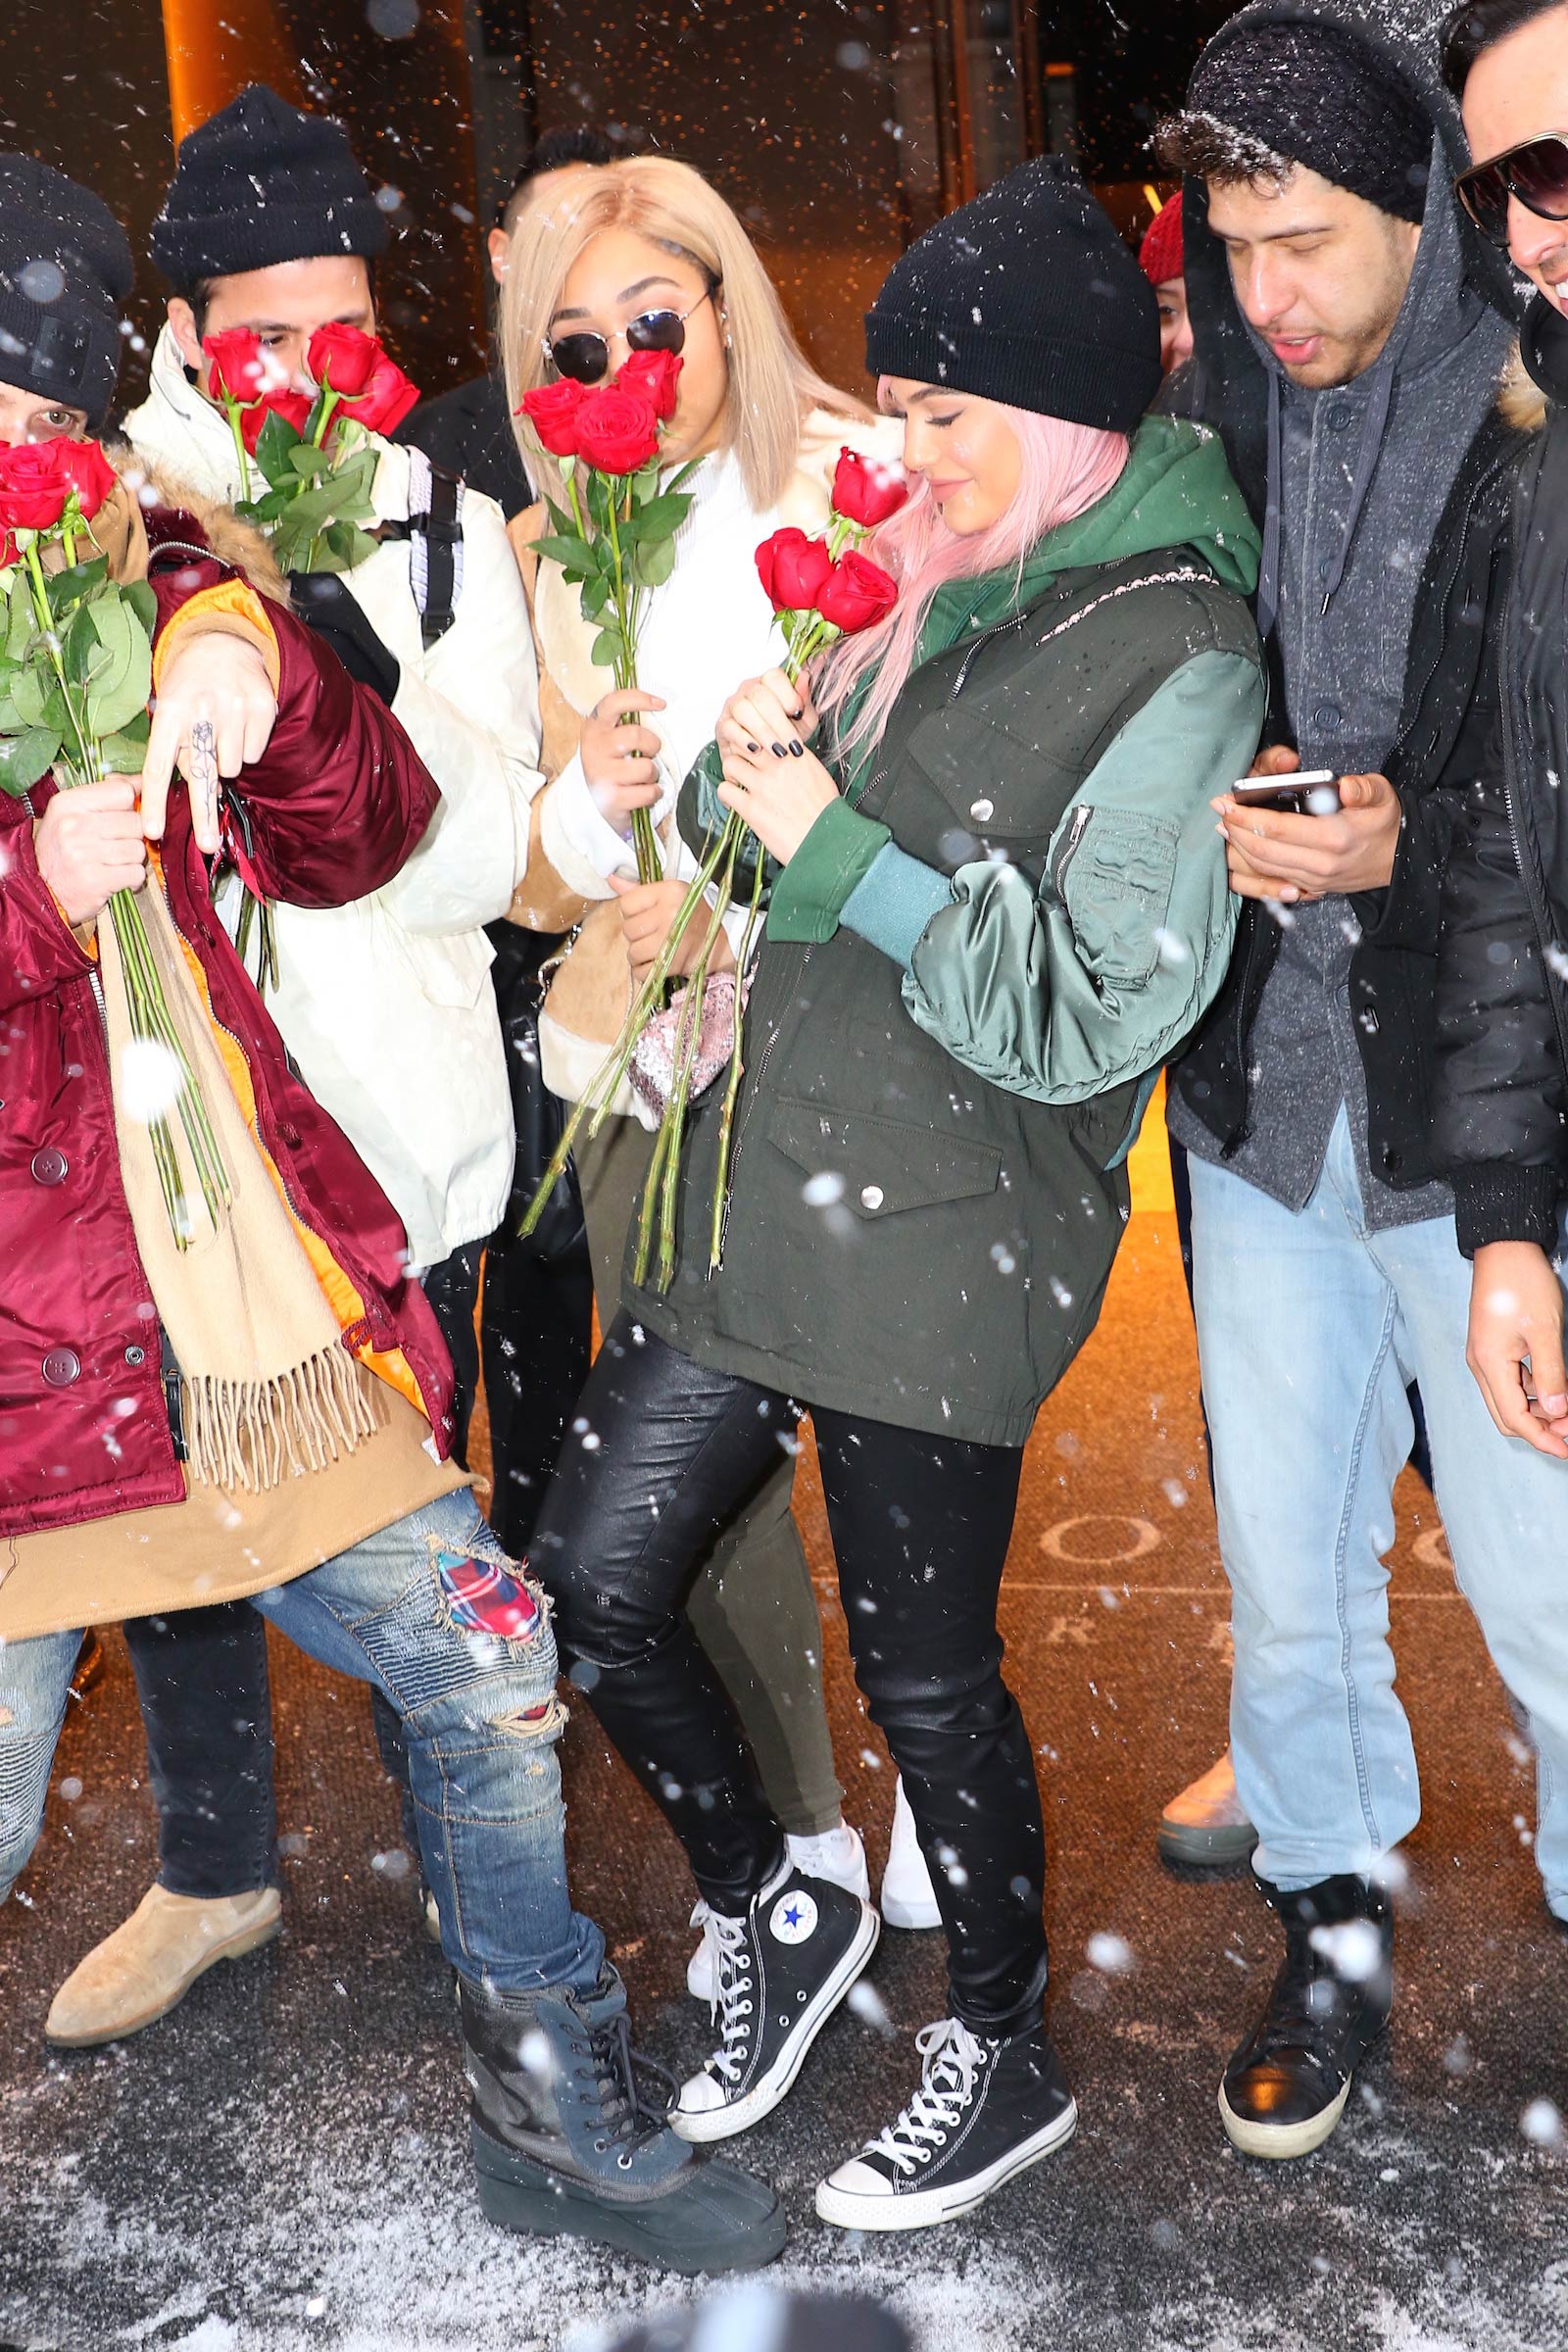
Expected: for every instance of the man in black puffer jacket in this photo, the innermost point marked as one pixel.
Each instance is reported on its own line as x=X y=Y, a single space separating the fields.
x=1500 y=1116
x=1350 y=339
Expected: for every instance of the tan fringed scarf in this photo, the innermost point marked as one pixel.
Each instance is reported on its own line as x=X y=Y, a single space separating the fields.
x=269 y=1391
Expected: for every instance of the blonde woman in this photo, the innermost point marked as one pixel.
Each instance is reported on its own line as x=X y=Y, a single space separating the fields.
x=644 y=255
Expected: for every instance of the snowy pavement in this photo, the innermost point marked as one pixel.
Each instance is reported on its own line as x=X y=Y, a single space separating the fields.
x=283 y=2163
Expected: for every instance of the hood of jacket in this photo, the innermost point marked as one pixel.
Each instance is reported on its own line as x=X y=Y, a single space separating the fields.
x=1458 y=278
x=178 y=506
x=1175 y=495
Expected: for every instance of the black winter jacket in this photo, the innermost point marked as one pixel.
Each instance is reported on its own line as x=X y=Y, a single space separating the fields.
x=1500 y=1103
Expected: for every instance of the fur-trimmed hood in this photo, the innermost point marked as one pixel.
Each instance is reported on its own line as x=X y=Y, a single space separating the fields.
x=240 y=545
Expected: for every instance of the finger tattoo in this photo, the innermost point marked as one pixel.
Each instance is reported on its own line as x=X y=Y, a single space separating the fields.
x=201 y=775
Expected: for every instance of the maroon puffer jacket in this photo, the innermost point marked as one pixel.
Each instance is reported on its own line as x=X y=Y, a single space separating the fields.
x=332 y=811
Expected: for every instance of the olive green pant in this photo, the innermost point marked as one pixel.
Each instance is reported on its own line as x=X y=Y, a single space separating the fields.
x=752 y=1607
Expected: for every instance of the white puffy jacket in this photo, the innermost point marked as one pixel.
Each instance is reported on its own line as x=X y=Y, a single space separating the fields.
x=386 y=1005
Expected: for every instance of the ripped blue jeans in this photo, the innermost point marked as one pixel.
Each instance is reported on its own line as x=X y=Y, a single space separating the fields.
x=480 y=1713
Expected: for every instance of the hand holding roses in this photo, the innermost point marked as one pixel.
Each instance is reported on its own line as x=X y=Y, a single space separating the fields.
x=772 y=781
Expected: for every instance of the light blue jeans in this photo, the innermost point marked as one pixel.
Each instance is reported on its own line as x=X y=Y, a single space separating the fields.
x=1310 y=1330
x=480 y=1713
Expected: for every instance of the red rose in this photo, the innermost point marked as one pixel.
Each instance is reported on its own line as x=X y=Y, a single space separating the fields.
x=293 y=407
x=344 y=358
x=552 y=411
x=38 y=479
x=858 y=594
x=655 y=375
x=794 y=571
x=617 y=431
x=867 y=491
x=240 y=368
x=385 y=401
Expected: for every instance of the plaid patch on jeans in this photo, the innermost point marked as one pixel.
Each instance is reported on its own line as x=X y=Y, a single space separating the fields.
x=485 y=1599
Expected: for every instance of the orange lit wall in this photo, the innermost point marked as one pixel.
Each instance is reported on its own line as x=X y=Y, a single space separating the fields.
x=214 y=47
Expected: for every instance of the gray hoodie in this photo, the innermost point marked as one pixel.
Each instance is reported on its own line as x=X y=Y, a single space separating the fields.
x=1358 y=480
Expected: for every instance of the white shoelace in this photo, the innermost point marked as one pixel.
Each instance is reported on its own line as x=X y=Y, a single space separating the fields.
x=732 y=1986
x=952 y=2059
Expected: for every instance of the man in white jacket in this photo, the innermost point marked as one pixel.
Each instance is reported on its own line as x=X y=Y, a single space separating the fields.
x=386 y=1005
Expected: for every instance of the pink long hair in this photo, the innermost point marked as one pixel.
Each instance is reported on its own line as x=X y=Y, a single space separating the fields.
x=1066 y=469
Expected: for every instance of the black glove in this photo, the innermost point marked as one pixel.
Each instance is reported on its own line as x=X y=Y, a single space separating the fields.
x=326 y=605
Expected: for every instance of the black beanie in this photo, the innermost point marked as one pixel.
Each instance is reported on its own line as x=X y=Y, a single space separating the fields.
x=1026 y=295
x=64 y=270
x=264 y=182
x=1312 y=94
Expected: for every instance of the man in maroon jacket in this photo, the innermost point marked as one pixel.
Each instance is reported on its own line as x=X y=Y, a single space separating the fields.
x=260 y=1409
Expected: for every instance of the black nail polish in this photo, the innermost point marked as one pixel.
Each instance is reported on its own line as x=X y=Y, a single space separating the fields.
x=780 y=752
x=801 y=713
x=753 y=747
x=799 y=749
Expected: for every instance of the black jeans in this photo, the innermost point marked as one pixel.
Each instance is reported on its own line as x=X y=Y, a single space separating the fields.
x=920 y=1529
x=207 y=1710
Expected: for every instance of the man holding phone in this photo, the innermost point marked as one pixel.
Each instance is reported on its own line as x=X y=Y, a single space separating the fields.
x=1346 y=353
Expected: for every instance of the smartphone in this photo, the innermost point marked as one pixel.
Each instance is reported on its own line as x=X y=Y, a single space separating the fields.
x=1310 y=792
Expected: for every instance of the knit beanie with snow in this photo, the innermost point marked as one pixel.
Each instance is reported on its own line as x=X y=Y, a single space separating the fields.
x=1161 y=256
x=64 y=270
x=260 y=183
x=1312 y=94
x=1026 y=295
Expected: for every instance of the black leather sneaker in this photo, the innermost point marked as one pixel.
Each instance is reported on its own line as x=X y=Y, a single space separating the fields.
x=985 y=2112
x=782 y=1972
x=1285 y=2089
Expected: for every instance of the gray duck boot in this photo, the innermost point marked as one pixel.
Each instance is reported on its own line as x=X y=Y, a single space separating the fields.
x=565 y=2143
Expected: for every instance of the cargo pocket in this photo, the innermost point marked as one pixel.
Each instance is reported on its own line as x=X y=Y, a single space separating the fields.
x=1115 y=871
x=878 y=1167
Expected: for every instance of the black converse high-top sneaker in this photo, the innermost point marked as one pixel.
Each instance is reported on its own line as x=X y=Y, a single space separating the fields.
x=1286 y=2087
x=782 y=1972
x=985 y=2110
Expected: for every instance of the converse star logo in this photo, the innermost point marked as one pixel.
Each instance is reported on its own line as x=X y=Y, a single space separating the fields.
x=794 y=1918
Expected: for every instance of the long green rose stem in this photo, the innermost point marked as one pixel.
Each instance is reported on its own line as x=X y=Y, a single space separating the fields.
x=591 y=1110
x=688 y=1038
x=645 y=841
x=732 y=1089
x=144 y=995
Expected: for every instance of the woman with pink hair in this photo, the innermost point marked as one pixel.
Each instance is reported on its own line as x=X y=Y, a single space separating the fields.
x=997 y=904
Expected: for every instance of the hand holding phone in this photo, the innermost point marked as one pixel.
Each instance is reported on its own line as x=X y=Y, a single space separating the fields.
x=1314 y=792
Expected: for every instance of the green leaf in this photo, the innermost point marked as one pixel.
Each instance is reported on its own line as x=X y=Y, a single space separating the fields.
x=79 y=645
x=308 y=461
x=595 y=596
x=654 y=561
x=663 y=516
x=571 y=554
x=121 y=679
x=74 y=585
x=609 y=647
x=564 y=524
x=275 y=450
x=38 y=699
x=23 y=758
x=139 y=596
x=21 y=622
x=123 y=753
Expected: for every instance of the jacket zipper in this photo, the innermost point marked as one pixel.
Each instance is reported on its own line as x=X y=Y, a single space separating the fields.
x=1070 y=849
x=1001 y=628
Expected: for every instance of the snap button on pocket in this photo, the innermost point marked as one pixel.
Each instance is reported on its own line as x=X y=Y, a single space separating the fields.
x=981 y=810
x=871 y=1196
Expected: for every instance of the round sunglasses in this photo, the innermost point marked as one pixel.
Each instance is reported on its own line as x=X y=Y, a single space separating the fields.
x=585 y=358
x=1535 y=171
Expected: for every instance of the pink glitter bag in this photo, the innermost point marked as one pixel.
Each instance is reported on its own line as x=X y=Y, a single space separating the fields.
x=664 y=1038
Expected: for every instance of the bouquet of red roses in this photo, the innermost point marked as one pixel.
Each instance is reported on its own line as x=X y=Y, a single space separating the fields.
x=315 y=451
x=75 y=678
x=822 y=589
x=618 y=540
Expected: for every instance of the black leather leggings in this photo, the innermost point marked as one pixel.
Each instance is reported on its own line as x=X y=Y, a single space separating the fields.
x=664 y=1452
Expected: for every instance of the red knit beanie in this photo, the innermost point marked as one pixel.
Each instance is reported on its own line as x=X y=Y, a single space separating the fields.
x=1161 y=250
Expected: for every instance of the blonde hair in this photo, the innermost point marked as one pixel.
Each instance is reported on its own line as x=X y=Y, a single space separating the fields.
x=772 y=385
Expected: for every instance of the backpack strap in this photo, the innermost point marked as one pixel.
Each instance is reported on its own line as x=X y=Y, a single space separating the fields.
x=435 y=545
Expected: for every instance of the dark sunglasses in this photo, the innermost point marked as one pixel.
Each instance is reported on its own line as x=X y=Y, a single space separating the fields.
x=585 y=358
x=1536 y=173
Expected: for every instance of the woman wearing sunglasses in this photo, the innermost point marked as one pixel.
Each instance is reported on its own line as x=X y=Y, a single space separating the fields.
x=643 y=254
x=1003 y=903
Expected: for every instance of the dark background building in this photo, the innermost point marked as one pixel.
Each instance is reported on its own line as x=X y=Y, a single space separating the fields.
x=838 y=128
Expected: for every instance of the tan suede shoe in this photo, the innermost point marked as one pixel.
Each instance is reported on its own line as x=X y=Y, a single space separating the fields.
x=147 y=1966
